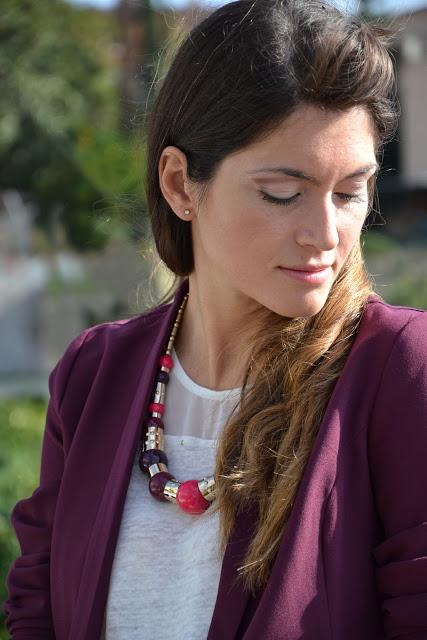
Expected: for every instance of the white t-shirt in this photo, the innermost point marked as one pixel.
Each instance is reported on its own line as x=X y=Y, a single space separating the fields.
x=167 y=564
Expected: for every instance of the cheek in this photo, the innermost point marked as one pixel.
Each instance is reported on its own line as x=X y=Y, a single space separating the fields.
x=350 y=234
x=239 y=228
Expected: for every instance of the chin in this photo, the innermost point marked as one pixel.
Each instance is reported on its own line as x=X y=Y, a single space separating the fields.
x=300 y=306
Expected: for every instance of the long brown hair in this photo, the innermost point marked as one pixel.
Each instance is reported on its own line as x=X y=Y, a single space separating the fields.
x=238 y=74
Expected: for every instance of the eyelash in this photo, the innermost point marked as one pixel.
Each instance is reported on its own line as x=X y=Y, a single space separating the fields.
x=348 y=197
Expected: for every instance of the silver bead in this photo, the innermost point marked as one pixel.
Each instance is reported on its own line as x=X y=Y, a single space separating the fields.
x=156 y=468
x=160 y=396
x=160 y=388
x=207 y=488
x=155 y=442
x=155 y=430
x=171 y=489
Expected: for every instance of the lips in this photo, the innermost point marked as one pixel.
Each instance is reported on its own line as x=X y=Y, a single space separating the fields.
x=310 y=274
x=309 y=268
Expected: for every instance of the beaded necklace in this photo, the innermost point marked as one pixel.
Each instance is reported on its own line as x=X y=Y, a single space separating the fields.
x=193 y=496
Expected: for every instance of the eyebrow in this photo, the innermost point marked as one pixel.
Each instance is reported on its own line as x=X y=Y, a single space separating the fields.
x=296 y=173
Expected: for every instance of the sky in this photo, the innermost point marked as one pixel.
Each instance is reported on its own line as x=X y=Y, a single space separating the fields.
x=392 y=6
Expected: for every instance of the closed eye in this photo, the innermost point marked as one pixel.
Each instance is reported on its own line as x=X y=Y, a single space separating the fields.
x=351 y=197
x=347 y=197
x=283 y=201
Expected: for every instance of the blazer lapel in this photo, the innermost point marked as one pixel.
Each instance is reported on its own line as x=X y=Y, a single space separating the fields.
x=93 y=589
x=234 y=604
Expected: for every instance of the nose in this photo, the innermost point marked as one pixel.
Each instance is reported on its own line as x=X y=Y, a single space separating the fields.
x=318 y=226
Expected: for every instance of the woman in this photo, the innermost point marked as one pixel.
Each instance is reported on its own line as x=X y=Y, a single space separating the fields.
x=290 y=399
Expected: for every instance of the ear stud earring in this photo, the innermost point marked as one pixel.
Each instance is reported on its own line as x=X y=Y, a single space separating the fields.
x=187 y=212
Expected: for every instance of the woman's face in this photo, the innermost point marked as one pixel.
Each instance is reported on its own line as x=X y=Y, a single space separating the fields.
x=295 y=200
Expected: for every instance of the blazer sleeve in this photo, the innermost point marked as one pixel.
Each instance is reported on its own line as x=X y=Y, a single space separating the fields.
x=398 y=464
x=27 y=608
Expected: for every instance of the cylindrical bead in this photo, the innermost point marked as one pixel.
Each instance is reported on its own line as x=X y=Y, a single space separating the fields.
x=155 y=442
x=207 y=488
x=158 y=434
x=160 y=395
x=170 y=490
x=160 y=387
x=156 y=431
x=156 y=468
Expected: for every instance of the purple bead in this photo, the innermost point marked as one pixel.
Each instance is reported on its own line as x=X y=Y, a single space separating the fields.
x=157 y=484
x=163 y=376
x=152 y=456
x=154 y=422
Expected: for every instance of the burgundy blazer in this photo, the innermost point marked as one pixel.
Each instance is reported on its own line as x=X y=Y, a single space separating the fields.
x=352 y=564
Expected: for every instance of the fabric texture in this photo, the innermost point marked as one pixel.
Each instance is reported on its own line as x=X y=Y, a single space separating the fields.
x=166 y=559
x=353 y=560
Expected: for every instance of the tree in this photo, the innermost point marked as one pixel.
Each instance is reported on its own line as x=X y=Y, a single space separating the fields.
x=57 y=79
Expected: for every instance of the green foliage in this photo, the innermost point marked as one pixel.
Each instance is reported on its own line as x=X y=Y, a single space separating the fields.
x=111 y=161
x=21 y=427
x=400 y=269
x=375 y=243
x=57 y=287
x=58 y=103
x=409 y=290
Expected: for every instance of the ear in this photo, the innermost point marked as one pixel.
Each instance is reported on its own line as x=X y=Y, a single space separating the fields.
x=174 y=182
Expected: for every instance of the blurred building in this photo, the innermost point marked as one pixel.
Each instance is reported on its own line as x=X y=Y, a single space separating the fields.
x=403 y=186
x=413 y=95
x=22 y=280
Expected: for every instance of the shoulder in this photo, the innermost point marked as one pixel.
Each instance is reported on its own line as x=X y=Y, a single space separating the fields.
x=120 y=332
x=115 y=341
x=385 y=316
x=393 y=327
x=391 y=349
x=397 y=441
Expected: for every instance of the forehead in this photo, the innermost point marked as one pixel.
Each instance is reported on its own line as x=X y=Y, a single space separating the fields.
x=312 y=138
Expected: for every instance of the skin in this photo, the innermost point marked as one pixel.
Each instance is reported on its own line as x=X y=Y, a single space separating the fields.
x=241 y=239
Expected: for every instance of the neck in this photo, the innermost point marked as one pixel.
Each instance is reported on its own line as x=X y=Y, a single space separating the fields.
x=215 y=334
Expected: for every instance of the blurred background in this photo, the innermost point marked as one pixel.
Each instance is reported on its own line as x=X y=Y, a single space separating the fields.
x=76 y=81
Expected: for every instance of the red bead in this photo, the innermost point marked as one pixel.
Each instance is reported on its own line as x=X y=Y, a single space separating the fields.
x=190 y=499
x=166 y=361
x=157 y=484
x=156 y=407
